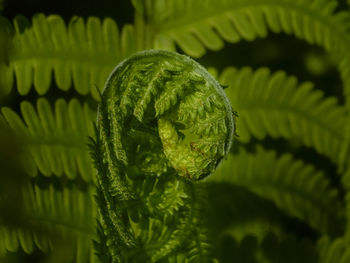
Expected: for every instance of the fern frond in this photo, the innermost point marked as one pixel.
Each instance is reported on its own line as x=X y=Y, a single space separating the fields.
x=296 y=188
x=55 y=140
x=248 y=228
x=198 y=25
x=274 y=104
x=344 y=169
x=52 y=214
x=337 y=250
x=6 y=78
x=167 y=198
x=268 y=248
x=144 y=157
x=200 y=248
x=289 y=249
x=346 y=184
x=82 y=54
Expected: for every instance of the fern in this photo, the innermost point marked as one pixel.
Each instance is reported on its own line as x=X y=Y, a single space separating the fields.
x=285 y=109
x=200 y=248
x=53 y=215
x=314 y=21
x=55 y=141
x=345 y=170
x=6 y=78
x=248 y=228
x=346 y=183
x=270 y=248
x=294 y=187
x=333 y=251
x=289 y=249
x=197 y=25
x=80 y=55
x=128 y=108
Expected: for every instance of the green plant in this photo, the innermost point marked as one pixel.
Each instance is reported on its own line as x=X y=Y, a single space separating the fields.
x=281 y=195
x=162 y=117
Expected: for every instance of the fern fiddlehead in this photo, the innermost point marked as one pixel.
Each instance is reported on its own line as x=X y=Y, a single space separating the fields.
x=163 y=123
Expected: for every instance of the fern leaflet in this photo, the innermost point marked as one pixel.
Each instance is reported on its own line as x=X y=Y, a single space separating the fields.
x=80 y=55
x=52 y=214
x=196 y=25
x=333 y=251
x=55 y=141
x=270 y=248
x=294 y=187
x=275 y=105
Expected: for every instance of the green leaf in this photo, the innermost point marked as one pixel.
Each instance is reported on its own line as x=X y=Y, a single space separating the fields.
x=333 y=250
x=198 y=25
x=296 y=188
x=80 y=55
x=271 y=249
x=274 y=104
x=54 y=219
x=55 y=141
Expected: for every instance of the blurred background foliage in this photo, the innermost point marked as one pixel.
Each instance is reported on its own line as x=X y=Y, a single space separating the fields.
x=278 y=51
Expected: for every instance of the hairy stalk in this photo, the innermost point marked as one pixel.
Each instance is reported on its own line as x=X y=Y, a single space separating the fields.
x=163 y=123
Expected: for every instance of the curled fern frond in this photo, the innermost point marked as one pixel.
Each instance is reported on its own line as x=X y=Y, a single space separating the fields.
x=52 y=215
x=81 y=53
x=163 y=122
x=152 y=86
x=55 y=140
x=296 y=188
x=274 y=104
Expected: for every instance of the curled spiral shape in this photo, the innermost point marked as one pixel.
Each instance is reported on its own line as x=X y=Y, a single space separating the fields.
x=163 y=122
x=164 y=113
